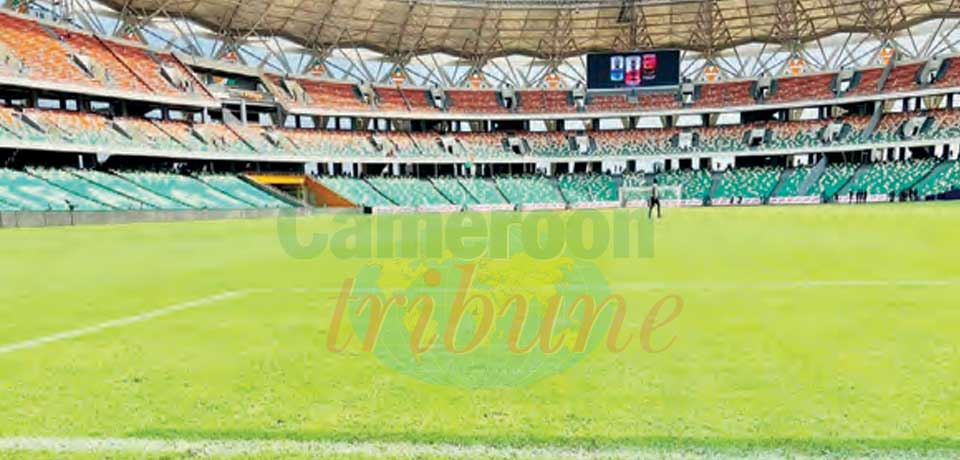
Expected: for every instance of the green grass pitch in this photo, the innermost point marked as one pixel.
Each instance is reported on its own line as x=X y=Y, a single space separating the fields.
x=807 y=331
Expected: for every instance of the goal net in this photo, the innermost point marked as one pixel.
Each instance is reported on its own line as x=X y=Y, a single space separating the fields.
x=641 y=195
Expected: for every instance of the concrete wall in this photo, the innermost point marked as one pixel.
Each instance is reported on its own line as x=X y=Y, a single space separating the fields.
x=63 y=218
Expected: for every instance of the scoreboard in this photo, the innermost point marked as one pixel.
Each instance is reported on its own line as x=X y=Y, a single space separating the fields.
x=636 y=69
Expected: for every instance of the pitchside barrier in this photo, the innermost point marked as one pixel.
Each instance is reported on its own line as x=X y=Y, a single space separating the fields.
x=811 y=199
x=870 y=199
x=16 y=219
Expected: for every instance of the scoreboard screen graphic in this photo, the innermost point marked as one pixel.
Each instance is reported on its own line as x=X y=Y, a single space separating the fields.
x=639 y=69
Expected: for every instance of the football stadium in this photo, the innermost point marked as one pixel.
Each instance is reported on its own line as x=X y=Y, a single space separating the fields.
x=479 y=229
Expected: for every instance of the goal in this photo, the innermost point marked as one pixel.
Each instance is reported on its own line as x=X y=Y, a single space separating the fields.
x=640 y=196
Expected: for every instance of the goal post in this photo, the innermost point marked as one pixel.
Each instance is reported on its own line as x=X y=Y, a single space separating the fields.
x=640 y=196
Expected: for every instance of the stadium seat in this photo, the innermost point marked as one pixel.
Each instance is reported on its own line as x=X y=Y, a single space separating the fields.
x=483 y=190
x=806 y=87
x=832 y=180
x=474 y=101
x=408 y=191
x=185 y=189
x=748 y=183
x=357 y=191
x=240 y=190
x=127 y=188
x=520 y=190
x=27 y=192
x=728 y=94
x=587 y=188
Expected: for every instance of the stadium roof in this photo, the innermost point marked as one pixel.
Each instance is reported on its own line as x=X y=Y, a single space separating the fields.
x=541 y=28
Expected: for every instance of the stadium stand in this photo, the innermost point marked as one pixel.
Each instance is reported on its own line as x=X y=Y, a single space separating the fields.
x=343 y=144
x=834 y=177
x=453 y=191
x=242 y=191
x=796 y=134
x=88 y=190
x=484 y=145
x=185 y=189
x=793 y=181
x=391 y=99
x=484 y=191
x=357 y=191
x=549 y=144
x=122 y=186
x=474 y=101
x=521 y=190
x=545 y=101
x=27 y=192
x=730 y=94
x=812 y=87
x=903 y=78
x=944 y=178
x=408 y=191
x=587 y=188
x=884 y=178
x=868 y=83
x=333 y=95
x=747 y=183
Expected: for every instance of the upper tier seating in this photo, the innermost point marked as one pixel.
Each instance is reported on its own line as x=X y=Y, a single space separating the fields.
x=942 y=180
x=731 y=94
x=78 y=127
x=343 y=144
x=802 y=88
x=474 y=101
x=548 y=144
x=89 y=190
x=408 y=191
x=869 y=80
x=883 y=178
x=888 y=130
x=13 y=127
x=483 y=190
x=634 y=141
x=390 y=99
x=657 y=100
x=333 y=95
x=722 y=138
x=590 y=188
x=748 y=183
x=545 y=101
x=148 y=69
x=521 y=190
x=185 y=189
x=903 y=78
x=419 y=100
x=484 y=145
x=951 y=76
x=357 y=191
x=42 y=55
x=120 y=76
x=123 y=186
x=26 y=192
x=242 y=191
x=832 y=180
x=796 y=134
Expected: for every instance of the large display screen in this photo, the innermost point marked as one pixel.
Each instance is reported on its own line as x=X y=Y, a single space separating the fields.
x=637 y=69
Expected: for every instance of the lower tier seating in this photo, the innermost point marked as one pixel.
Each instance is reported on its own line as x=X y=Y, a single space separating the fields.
x=579 y=188
x=185 y=189
x=521 y=190
x=453 y=191
x=483 y=190
x=943 y=179
x=239 y=189
x=408 y=191
x=358 y=192
x=792 y=182
x=832 y=180
x=24 y=191
x=884 y=178
x=748 y=183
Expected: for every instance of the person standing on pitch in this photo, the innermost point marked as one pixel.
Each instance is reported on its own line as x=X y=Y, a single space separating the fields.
x=654 y=201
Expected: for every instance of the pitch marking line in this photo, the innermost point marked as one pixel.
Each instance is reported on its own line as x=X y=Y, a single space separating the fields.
x=73 y=333
x=233 y=448
x=88 y=330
